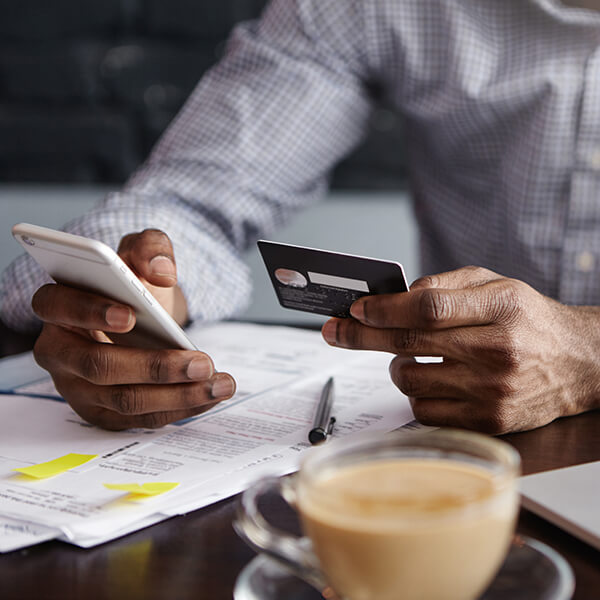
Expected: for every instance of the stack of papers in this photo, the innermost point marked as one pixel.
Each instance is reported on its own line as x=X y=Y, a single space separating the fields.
x=63 y=478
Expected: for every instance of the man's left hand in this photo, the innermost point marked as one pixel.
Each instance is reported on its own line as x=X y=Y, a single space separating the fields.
x=513 y=359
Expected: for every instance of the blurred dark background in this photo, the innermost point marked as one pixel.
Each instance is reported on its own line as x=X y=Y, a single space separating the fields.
x=87 y=87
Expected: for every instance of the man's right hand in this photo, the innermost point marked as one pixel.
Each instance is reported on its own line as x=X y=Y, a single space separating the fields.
x=114 y=386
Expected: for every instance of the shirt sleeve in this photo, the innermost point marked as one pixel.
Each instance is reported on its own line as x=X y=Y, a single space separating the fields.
x=253 y=144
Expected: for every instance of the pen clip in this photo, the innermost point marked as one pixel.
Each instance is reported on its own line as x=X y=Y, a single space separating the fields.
x=323 y=421
x=330 y=426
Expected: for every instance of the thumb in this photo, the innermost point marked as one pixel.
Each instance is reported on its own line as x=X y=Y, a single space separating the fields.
x=150 y=254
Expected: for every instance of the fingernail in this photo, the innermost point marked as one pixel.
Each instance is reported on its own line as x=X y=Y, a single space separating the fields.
x=118 y=316
x=162 y=266
x=357 y=310
x=223 y=388
x=199 y=368
x=329 y=331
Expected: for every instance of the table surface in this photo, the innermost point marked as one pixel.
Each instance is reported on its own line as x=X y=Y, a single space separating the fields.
x=199 y=555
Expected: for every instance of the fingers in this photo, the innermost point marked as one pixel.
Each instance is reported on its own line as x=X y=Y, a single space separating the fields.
x=461 y=414
x=436 y=400
x=459 y=344
x=441 y=412
x=105 y=364
x=123 y=405
x=150 y=254
x=349 y=333
x=108 y=418
x=118 y=387
x=115 y=422
x=450 y=394
x=441 y=308
x=63 y=305
x=449 y=379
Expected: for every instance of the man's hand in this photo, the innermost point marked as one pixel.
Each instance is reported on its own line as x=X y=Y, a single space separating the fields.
x=513 y=359
x=118 y=387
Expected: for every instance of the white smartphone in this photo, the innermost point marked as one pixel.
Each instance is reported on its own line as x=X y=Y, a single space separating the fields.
x=90 y=265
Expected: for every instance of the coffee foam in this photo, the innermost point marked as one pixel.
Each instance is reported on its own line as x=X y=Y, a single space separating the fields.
x=397 y=492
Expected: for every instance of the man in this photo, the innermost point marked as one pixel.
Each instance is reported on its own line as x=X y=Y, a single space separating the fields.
x=500 y=103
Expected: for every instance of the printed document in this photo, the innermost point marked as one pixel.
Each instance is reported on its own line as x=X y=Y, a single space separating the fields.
x=262 y=430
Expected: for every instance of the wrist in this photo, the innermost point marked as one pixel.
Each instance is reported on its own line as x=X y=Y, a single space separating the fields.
x=583 y=345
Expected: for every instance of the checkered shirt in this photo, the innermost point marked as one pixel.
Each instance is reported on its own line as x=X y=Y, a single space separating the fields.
x=501 y=103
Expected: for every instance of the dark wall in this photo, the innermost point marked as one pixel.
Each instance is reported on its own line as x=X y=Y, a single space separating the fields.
x=86 y=87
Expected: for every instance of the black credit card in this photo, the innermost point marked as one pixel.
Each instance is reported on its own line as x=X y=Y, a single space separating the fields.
x=324 y=282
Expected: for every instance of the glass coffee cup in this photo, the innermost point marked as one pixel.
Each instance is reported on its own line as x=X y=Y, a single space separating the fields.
x=427 y=515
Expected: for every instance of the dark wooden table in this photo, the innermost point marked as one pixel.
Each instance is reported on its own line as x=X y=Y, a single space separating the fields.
x=198 y=556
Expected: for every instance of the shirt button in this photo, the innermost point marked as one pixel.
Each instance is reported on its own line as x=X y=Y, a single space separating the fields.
x=585 y=261
x=594 y=160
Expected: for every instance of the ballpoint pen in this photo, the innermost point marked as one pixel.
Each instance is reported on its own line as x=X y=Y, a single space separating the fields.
x=323 y=422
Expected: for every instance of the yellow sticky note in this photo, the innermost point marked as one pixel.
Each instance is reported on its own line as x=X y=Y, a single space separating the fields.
x=56 y=466
x=152 y=488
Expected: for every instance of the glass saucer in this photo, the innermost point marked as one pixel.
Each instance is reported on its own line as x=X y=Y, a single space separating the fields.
x=531 y=571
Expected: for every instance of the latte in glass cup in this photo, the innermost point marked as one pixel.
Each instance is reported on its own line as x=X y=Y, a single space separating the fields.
x=400 y=516
x=408 y=528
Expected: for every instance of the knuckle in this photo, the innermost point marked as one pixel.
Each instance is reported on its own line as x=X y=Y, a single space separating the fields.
x=478 y=273
x=477 y=276
x=155 y=420
x=425 y=282
x=508 y=355
x=103 y=418
x=158 y=368
x=504 y=388
x=94 y=365
x=127 y=241
x=126 y=400
x=152 y=232
x=406 y=340
x=510 y=302
x=434 y=306
x=502 y=350
x=192 y=395
x=154 y=236
x=348 y=332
